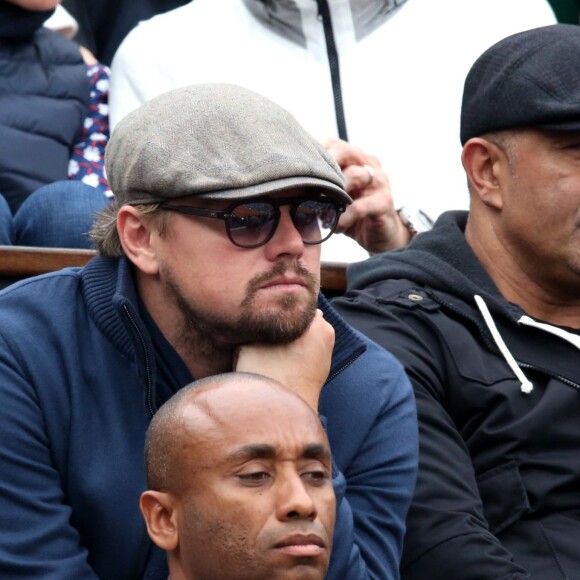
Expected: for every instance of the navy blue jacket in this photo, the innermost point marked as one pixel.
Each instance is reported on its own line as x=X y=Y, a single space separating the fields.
x=79 y=383
x=44 y=99
x=498 y=490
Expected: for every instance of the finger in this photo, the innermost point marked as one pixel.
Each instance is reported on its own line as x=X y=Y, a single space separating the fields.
x=371 y=174
x=346 y=154
x=318 y=318
x=373 y=205
x=358 y=177
x=320 y=321
x=328 y=142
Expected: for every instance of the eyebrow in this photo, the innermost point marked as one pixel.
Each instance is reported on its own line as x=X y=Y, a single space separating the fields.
x=316 y=451
x=265 y=451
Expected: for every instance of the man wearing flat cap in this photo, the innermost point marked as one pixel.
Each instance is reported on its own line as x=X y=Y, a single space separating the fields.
x=484 y=313
x=209 y=262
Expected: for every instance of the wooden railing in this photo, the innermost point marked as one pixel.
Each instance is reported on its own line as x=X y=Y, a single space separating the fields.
x=18 y=262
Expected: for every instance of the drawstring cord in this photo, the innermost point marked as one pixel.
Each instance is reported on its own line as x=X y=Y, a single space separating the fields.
x=526 y=385
x=571 y=338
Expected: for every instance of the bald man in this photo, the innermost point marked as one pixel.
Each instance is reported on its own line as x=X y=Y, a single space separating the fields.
x=239 y=471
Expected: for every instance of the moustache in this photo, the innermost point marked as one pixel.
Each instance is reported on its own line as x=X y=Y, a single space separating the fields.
x=280 y=268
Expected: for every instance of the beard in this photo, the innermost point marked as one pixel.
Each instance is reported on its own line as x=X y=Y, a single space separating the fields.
x=204 y=332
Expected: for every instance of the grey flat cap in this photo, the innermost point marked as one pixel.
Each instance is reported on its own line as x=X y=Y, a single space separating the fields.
x=215 y=141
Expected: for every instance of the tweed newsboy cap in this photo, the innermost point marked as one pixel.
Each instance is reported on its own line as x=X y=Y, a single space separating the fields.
x=216 y=141
x=530 y=79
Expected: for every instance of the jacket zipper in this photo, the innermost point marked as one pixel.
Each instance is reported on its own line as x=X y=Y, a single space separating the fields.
x=343 y=367
x=147 y=362
x=324 y=15
x=550 y=374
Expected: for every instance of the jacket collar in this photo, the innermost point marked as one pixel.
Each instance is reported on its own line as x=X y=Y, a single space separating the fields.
x=15 y=22
x=286 y=17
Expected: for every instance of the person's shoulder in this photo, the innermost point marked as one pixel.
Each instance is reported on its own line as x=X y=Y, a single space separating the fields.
x=391 y=293
x=99 y=276
x=372 y=394
x=169 y=38
x=39 y=301
x=192 y=16
x=378 y=364
x=380 y=371
x=391 y=289
x=51 y=48
x=67 y=277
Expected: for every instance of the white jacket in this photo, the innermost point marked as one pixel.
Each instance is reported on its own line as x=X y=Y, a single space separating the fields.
x=402 y=67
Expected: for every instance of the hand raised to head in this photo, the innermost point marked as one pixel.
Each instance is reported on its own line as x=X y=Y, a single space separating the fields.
x=371 y=219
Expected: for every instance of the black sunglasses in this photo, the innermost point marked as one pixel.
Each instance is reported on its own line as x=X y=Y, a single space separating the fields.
x=253 y=223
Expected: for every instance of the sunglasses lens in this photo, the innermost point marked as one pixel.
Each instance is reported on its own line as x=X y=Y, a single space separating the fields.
x=251 y=223
x=315 y=220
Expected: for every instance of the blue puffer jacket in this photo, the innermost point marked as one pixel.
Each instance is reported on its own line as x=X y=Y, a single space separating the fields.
x=78 y=387
x=44 y=98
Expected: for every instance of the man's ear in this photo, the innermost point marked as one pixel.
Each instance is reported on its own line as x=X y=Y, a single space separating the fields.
x=486 y=165
x=135 y=235
x=158 y=509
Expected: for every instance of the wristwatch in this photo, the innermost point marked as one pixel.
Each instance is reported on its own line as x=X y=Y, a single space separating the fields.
x=415 y=219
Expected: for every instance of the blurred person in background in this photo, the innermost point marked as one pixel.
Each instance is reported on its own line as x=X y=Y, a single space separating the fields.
x=53 y=130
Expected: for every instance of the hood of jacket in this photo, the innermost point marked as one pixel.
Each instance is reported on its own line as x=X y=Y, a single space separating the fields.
x=16 y=22
x=440 y=260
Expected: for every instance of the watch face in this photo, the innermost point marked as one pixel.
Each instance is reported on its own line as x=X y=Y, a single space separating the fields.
x=415 y=219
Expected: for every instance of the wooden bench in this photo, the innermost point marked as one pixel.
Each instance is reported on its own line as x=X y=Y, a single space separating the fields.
x=17 y=262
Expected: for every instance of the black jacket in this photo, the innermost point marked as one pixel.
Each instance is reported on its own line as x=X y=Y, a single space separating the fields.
x=498 y=492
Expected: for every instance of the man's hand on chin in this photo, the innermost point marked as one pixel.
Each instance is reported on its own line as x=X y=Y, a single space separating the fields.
x=302 y=365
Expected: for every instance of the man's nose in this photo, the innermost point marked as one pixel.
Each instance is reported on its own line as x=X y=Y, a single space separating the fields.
x=286 y=239
x=294 y=500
